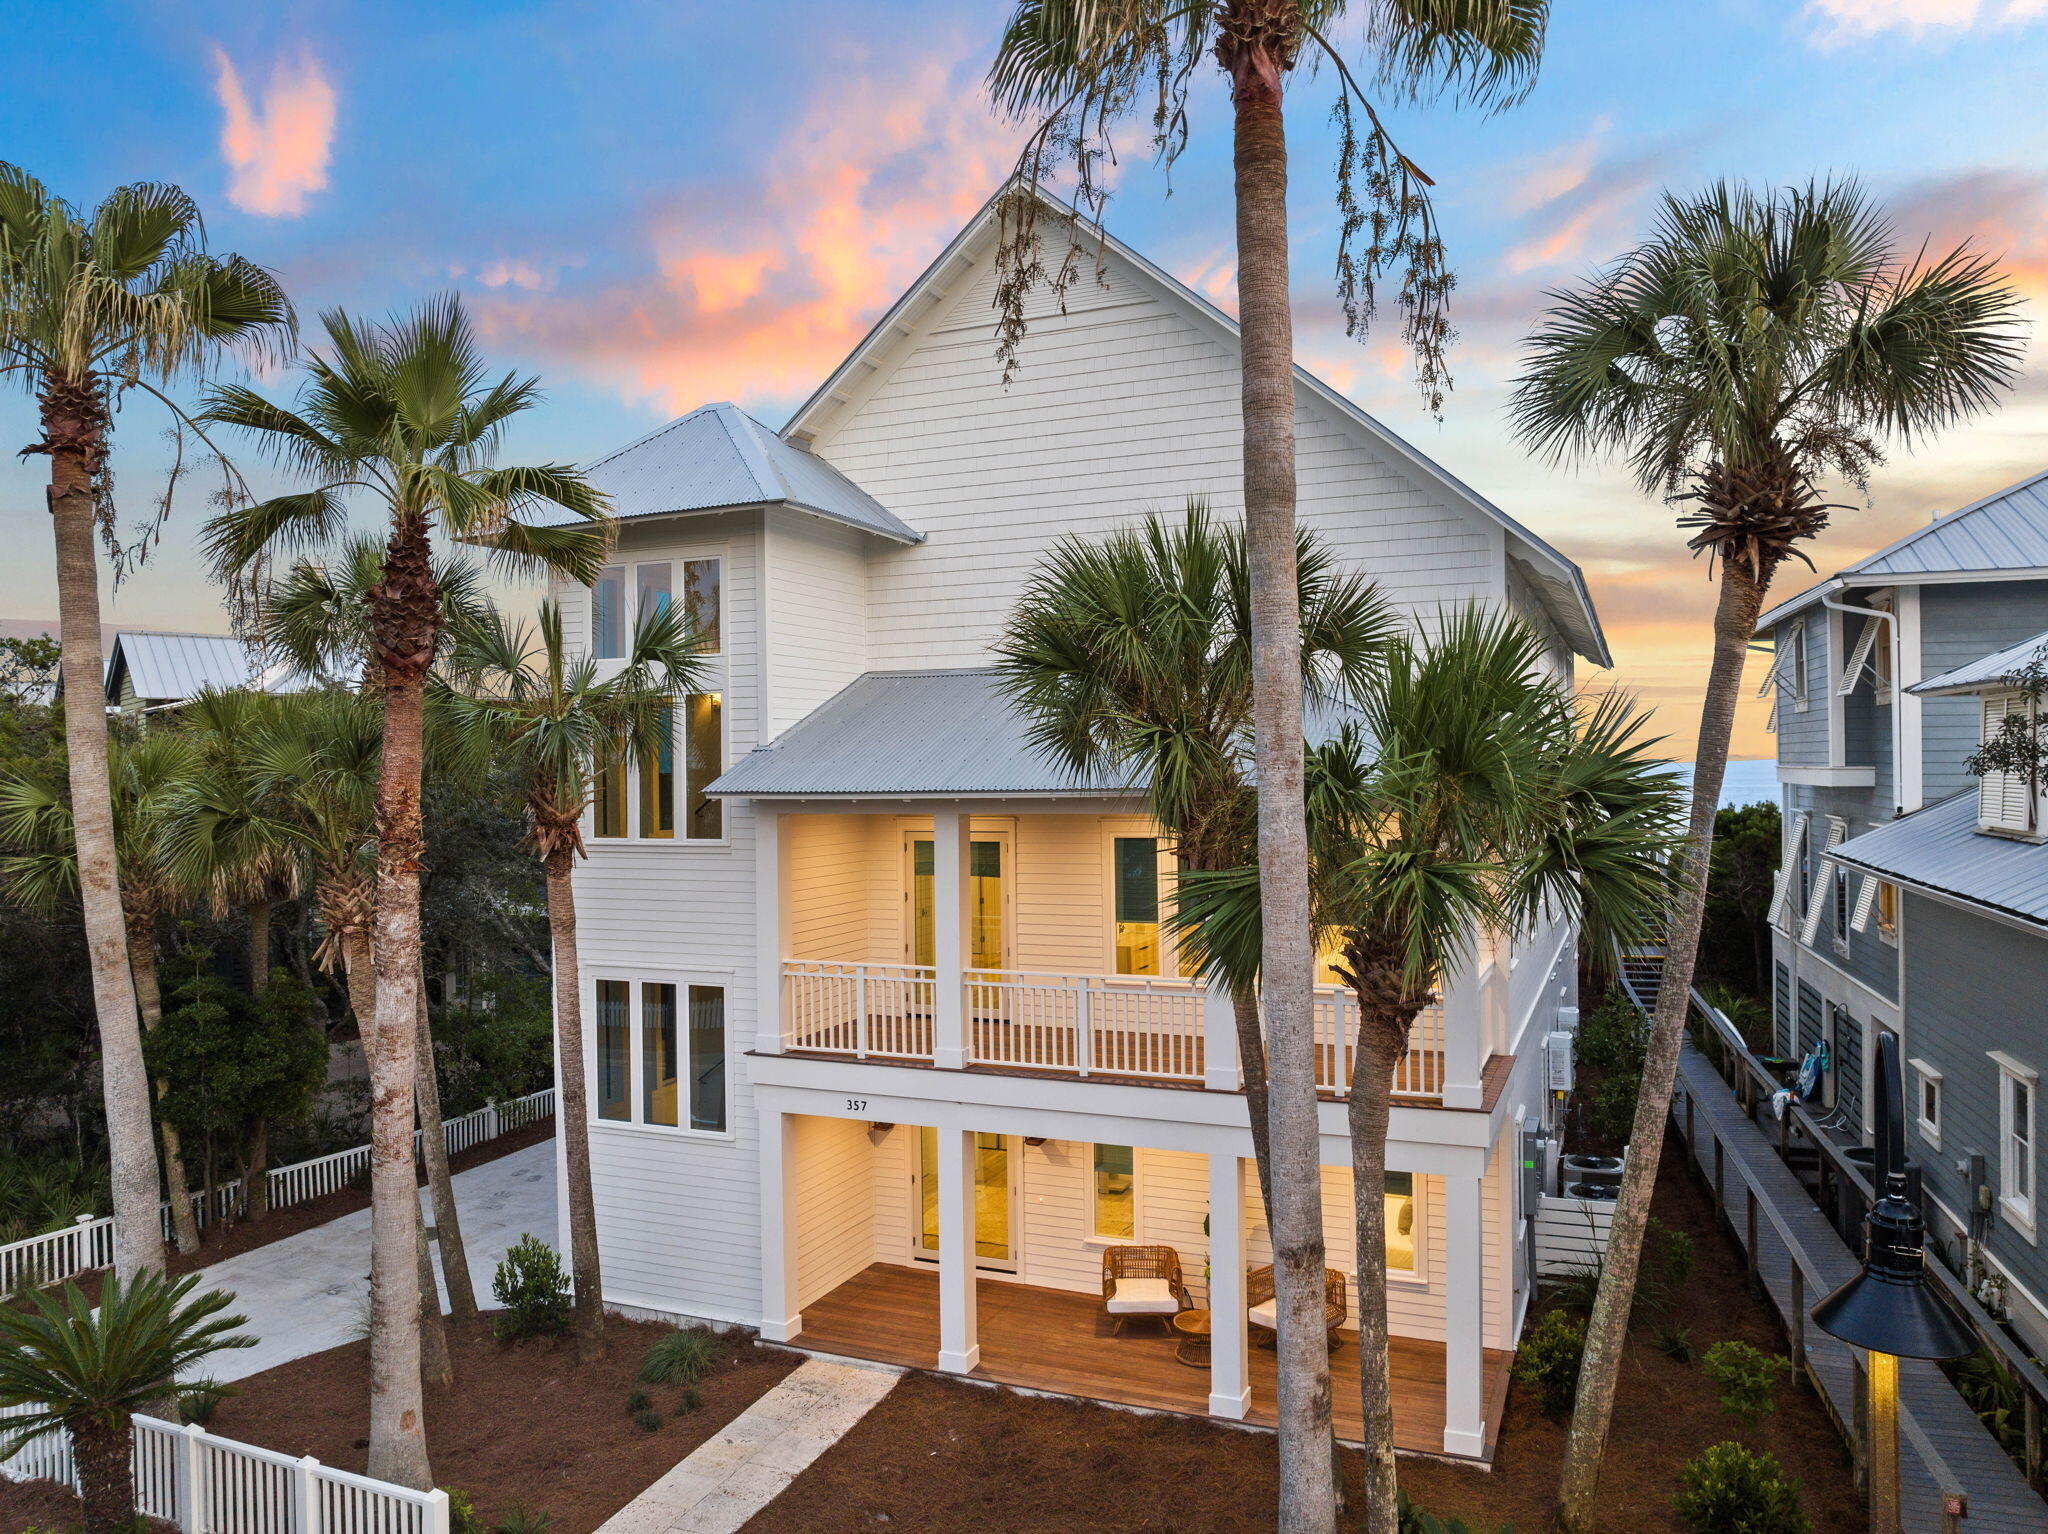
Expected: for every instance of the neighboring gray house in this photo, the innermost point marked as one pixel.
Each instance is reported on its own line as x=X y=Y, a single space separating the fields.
x=150 y=671
x=1914 y=898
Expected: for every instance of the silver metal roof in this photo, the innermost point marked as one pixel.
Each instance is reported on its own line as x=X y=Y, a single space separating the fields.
x=1988 y=672
x=905 y=733
x=1940 y=849
x=718 y=457
x=164 y=667
x=2003 y=534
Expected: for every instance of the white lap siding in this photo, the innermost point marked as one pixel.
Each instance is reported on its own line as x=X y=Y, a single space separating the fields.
x=835 y=1233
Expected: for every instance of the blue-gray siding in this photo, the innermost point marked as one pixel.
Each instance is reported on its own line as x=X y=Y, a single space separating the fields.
x=1781 y=1006
x=1849 y=1068
x=1962 y=623
x=1870 y=958
x=1974 y=985
x=1803 y=733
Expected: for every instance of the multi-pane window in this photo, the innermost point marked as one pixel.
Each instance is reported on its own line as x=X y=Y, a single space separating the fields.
x=1115 y=1193
x=1135 y=874
x=679 y=1065
x=1927 y=1101
x=649 y=786
x=623 y=594
x=2016 y=1087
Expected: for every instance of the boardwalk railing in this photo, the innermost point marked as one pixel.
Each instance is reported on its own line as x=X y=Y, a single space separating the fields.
x=207 y=1485
x=89 y=1242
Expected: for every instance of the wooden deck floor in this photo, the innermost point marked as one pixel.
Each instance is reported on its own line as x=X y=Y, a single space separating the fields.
x=1054 y=1340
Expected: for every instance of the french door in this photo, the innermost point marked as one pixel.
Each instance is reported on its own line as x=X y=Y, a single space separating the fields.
x=988 y=867
x=996 y=1160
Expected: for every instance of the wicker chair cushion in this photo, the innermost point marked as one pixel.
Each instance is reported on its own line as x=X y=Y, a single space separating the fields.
x=1143 y=1297
x=1266 y=1314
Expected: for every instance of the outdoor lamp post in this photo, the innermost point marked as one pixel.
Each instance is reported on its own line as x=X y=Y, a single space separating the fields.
x=1888 y=1309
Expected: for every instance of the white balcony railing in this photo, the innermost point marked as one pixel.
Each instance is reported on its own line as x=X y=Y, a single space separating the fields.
x=1135 y=1026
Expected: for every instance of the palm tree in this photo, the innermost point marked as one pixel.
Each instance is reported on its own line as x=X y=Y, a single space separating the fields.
x=1078 y=68
x=70 y=1366
x=1133 y=654
x=92 y=305
x=1754 y=345
x=402 y=416
x=1467 y=795
x=556 y=720
x=35 y=817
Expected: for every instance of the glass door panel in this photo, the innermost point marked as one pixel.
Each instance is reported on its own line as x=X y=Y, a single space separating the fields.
x=984 y=903
x=992 y=1245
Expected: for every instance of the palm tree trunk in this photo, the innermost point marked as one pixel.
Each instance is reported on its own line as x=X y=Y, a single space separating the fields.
x=256 y=1173
x=149 y=1005
x=405 y=612
x=436 y=1368
x=572 y=1112
x=1251 y=1057
x=1307 y=1501
x=1735 y=615
x=73 y=422
x=434 y=1151
x=259 y=943
x=106 y=1478
x=1382 y=1041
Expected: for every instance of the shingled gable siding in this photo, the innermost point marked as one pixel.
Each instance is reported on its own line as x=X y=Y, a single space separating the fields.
x=1959 y=623
x=1126 y=403
x=1974 y=985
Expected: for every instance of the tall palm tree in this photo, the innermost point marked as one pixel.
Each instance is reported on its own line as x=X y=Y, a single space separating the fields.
x=35 y=817
x=1754 y=345
x=1468 y=795
x=557 y=720
x=1078 y=68
x=86 y=1369
x=401 y=416
x=90 y=306
x=1133 y=653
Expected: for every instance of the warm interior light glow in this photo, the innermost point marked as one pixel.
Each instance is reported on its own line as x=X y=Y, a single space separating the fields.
x=1884 y=1442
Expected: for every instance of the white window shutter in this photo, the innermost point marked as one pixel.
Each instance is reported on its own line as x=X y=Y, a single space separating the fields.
x=1838 y=829
x=1859 y=657
x=1788 y=865
x=2004 y=802
x=1866 y=898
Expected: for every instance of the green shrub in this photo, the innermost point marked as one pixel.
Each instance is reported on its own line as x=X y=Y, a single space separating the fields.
x=1992 y=1391
x=200 y=1398
x=1612 y=1112
x=1615 y=1037
x=1548 y=1360
x=637 y=1402
x=1415 y=1521
x=1732 y=1490
x=534 y=1290
x=1748 y=1378
x=684 y=1356
x=647 y=1421
x=462 y=1518
x=518 y=1520
x=1675 y=1342
x=1675 y=1258
x=691 y=1401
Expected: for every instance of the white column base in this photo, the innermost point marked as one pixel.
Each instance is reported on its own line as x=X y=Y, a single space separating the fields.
x=1470 y=1445
x=781 y=1331
x=953 y=1361
x=1223 y=1404
x=1462 y=1095
x=950 y=1057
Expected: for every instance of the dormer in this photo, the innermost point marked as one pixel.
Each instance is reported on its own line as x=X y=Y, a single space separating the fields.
x=2007 y=686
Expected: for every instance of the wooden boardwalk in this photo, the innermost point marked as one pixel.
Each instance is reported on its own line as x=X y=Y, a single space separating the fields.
x=1943 y=1445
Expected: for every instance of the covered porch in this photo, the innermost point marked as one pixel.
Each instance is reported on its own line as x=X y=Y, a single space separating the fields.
x=1055 y=1341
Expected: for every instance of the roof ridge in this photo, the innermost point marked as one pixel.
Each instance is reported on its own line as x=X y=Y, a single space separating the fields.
x=659 y=431
x=739 y=431
x=1945 y=519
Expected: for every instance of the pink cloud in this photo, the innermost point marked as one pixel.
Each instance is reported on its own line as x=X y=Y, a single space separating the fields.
x=1581 y=207
x=277 y=147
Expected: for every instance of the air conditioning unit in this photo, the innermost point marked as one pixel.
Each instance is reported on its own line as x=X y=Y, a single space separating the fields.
x=1557 y=1052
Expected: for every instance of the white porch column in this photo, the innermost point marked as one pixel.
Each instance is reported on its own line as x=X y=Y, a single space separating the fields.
x=950 y=946
x=959 y=1344
x=780 y=1319
x=1464 y=1339
x=1494 y=958
x=1230 y=1390
x=1465 y=1033
x=1219 y=1040
x=771 y=923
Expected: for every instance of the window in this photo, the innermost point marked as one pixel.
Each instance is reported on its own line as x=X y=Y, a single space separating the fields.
x=613 y=1042
x=704 y=759
x=1135 y=873
x=1927 y=1102
x=2005 y=800
x=608 y=801
x=1888 y=912
x=666 y=1052
x=1794 y=679
x=701 y=602
x=1400 y=1216
x=1841 y=881
x=658 y=784
x=1115 y=1193
x=1881 y=669
x=608 y=614
x=650 y=785
x=653 y=590
x=651 y=585
x=2016 y=1084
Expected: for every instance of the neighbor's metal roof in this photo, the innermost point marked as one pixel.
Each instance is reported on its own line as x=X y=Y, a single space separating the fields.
x=1941 y=849
x=2003 y=534
x=168 y=666
x=1991 y=670
x=718 y=457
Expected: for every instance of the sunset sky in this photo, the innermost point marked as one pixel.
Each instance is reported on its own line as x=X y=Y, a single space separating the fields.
x=659 y=205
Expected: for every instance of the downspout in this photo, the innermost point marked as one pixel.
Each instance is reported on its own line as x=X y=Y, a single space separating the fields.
x=1891 y=624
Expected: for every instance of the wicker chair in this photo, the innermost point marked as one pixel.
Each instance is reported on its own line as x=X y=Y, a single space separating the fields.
x=1259 y=1301
x=1142 y=1282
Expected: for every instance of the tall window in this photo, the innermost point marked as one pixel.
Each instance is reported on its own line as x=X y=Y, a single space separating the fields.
x=703 y=760
x=614 y=1040
x=608 y=614
x=658 y=1054
x=1795 y=670
x=1135 y=873
x=2016 y=1084
x=991 y=1195
x=1400 y=1217
x=658 y=784
x=1888 y=911
x=608 y=805
x=701 y=602
x=707 y=1057
x=984 y=904
x=1115 y=1193
x=651 y=585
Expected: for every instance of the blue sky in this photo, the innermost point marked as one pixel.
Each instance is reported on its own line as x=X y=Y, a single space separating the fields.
x=656 y=205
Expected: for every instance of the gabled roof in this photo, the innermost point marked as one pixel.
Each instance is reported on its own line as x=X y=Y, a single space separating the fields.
x=1558 y=582
x=2004 y=536
x=1940 y=850
x=167 y=667
x=718 y=457
x=1991 y=671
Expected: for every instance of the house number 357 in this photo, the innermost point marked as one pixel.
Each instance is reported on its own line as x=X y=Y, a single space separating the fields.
x=856 y=1105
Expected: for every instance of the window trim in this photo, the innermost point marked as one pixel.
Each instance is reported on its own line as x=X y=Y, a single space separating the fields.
x=682 y=979
x=1115 y=828
x=1095 y=1236
x=2019 y=1212
x=1800 y=660
x=1419 y=1184
x=1927 y=1075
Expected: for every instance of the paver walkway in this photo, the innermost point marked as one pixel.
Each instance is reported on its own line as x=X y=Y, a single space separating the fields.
x=741 y=1469
x=307 y=1293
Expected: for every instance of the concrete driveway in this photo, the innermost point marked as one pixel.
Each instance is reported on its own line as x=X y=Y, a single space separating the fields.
x=310 y=1292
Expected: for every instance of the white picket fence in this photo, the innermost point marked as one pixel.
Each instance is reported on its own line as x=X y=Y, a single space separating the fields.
x=88 y=1243
x=209 y=1485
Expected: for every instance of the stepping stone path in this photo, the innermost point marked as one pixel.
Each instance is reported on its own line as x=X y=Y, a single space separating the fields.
x=741 y=1469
